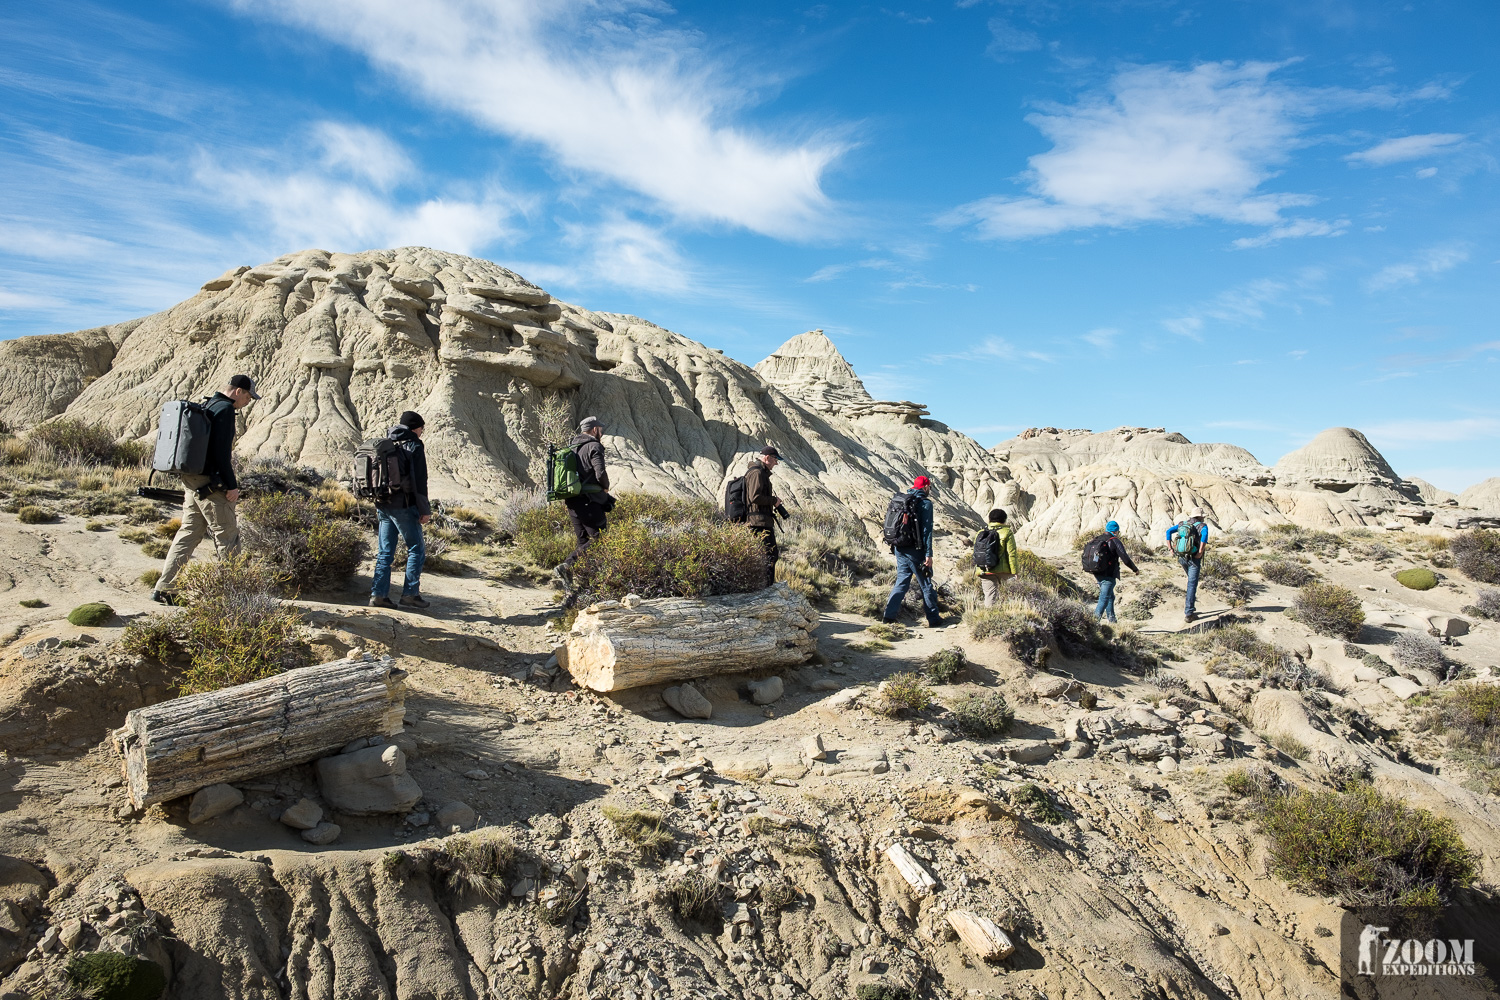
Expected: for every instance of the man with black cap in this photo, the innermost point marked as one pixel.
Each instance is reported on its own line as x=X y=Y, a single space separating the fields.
x=402 y=515
x=763 y=506
x=587 y=514
x=208 y=500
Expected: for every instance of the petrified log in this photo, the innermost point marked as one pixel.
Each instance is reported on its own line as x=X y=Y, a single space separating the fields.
x=613 y=647
x=918 y=877
x=981 y=934
x=179 y=746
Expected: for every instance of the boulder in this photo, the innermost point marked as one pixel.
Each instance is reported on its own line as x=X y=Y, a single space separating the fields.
x=368 y=782
x=455 y=814
x=215 y=800
x=767 y=691
x=1401 y=687
x=323 y=834
x=303 y=815
x=688 y=702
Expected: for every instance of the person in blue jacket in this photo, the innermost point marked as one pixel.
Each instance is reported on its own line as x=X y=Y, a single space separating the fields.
x=916 y=562
x=1189 y=552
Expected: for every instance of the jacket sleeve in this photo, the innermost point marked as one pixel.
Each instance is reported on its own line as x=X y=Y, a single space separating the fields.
x=927 y=527
x=758 y=488
x=220 y=464
x=419 y=478
x=596 y=459
x=1125 y=556
x=1012 y=555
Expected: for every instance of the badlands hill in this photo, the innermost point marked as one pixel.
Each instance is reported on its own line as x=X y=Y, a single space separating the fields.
x=341 y=343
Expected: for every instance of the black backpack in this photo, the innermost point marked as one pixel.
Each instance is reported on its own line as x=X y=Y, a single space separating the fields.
x=903 y=521
x=735 y=507
x=1099 y=556
x=382 y=471
x=987 y=549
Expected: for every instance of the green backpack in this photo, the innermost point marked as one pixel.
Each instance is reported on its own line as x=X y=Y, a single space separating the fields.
x=1185 y=542
x=564 y=479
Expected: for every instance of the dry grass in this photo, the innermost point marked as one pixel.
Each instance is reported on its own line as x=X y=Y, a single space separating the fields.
x=641 y=827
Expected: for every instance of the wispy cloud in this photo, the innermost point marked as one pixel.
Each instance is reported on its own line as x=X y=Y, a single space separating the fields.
x=602 y=86
x=1435 y=431
x=1293 y=229
x=1160 y=145
x=1102 y=338
x=1407 y=147
x=1434 y=260
x=1245 y=304
x=1006 y=38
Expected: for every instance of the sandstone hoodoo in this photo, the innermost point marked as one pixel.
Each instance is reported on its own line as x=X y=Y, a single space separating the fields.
x=179 y=746
x=613 y=647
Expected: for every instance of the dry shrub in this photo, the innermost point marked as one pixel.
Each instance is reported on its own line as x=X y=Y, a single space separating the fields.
x=1034 y=801
x=642 y=827
x=1477 y=554
x=264 y=476
x=35 y=515
x=1366 y=848
x=1289 y=745
x=1486 y=605
x=72 y=440
x=902 y=692
x=982 y=716
x=480 y=862
x=658 y=546
x=1287 y=572
x=1140 y=607
x=1417 y=650
x=1469 y=716
x=1293 y=538
x=1221 y=575
x=306 y=545
x=866 y=601
x=945 y=664
x=694 y=896
x=1254 y=657
x=1330 y=610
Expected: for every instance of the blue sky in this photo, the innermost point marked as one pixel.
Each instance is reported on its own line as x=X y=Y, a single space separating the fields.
x=1245 y=220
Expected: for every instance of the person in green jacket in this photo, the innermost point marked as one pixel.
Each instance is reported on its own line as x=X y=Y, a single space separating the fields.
x=992 y=577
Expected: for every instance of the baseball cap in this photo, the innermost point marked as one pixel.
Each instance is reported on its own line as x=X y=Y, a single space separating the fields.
x=920 y=483
x=589 y=423
x=768 y=450
x=244 y=382
x=1112 y=527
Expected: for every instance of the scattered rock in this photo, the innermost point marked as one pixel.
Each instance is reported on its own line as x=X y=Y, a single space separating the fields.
x=1401 y=687
x=457 y=814
x=664 y=794
x=767 y=691
x=477 y=774
x=215 y=800
x=1049 y=685
x=70 y=934
x=304 y=815
x=1166 y=765
x=688 y=702
x=368 y=782
x=323 y=834
x=812 y=747
x=1031 y=752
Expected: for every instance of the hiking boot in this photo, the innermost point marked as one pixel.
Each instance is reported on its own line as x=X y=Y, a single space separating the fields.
x=1191 y=616
x=414 y=601
x=382 y=602
x=934 y=623
x=163 y=597
x=890 y=621
x=563 y=577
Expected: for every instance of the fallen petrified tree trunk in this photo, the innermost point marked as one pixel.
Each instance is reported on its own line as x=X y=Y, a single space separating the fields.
x=179 y=746
x=613 y=647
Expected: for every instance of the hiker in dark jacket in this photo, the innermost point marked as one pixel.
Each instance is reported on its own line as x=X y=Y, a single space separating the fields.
x=208 y=500
x=1109 y=576
x=916 y=562
x=586 y=513
x=401 y=516
x=763 y=505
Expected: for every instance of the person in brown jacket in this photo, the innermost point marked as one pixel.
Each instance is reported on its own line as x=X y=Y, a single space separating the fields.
x=763 y=506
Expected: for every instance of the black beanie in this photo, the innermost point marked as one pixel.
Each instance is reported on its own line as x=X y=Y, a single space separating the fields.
x=411 y=420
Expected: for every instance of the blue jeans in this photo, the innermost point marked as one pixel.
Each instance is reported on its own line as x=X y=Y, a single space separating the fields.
x=908 y=565
x=1193 y=567
x=1106 y=606
x=403 y=522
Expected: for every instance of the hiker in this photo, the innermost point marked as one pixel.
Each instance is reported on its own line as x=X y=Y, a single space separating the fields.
x=401 y=515
x=913 y=552
x=997 y=542
x=762 y=506
x=208 y=499
x=1186 y=540
x=1111 y=554
x=585 y=511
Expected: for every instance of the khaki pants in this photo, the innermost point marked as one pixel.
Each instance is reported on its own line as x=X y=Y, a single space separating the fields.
x=213 y=515
x=990 y=587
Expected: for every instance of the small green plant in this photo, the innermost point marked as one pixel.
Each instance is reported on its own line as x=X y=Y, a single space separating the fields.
x=33 y=602
x=1289 y=745
x=642 y=827
x=156 y=548
x=34 y=515
x=1036 y=803
x=109 y=975
x=1287 y=572
x=1367 y=848
x=882 y=991
x=1476 y=553
x=905 y=691
x=1417 y=578
x=1468 y=716
x=1023 y=630
x=557 y=908
x=96 y=526
x=982 y=716
x=91 y=615
x=150 y=577
x=1221 y=574
x=1330 y=610
x=1251 y=783
x=889 y=631
x=307 y=545
x=945 y=664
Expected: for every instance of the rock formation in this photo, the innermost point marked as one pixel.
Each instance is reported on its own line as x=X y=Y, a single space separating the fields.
x=1341 y=460
x=1483 y=496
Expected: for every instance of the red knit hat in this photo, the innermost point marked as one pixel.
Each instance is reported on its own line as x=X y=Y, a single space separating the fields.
x=920 y=483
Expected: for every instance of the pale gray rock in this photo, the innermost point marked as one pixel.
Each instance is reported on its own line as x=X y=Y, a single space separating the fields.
x=303 y=815
x=767 y=691
x=368 y=782
x=812 y=747
x=688 y=702
x=213 y=801
x=1031 y=752
x=455 y=814
x=323 y=834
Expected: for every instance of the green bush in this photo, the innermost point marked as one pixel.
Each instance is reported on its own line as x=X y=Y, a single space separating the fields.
x=1252 y=782
x=905 y=691
x=544 y=534
x=109 y=975
x=1033 y=568
x=33 y=602
x=1292 y=538
x=156 y=548
x=1330 y=610
x=1366 y=848
x=1477 y=554
x=307 y=546
x=1036 y=803
x=982 y=716
x=91 y=615
x=1417 y=578
x=658 y=546
x=35 y=515
x=1221 y=575
x=1287 y=572
x=1469 y=716
x=882 y=991
x=945 y=664
x=75 y=441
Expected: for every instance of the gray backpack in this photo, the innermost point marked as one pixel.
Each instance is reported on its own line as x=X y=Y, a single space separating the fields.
x=182 y=438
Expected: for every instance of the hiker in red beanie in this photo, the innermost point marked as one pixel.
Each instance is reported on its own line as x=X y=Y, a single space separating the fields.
x=908 y=531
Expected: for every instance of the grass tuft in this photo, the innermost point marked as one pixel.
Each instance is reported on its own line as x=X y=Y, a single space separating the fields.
x=642 y=827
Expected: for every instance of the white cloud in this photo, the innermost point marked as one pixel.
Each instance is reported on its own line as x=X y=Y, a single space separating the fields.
x=1246 y=304
x=1161 y=145
x=1435 y=431
x=1427 y=172
x=1006 y=37
x=1408 y=147
x=1435 y=260
x=628 y=253
x=364 y=152
x=1293 y=229
x=600 y=85
x=1103 y=337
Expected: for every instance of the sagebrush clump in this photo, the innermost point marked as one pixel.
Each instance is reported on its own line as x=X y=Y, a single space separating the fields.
x=1330 y=610
x=1417 y=650
x=982 y=716
x=297 y=537
x=1367 y=848
x=1486 y=605
x=1476 y=553
x=945 y=664
x=1468 y=715
x=905 y=692
x=109 y=975
x=1287 y=572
